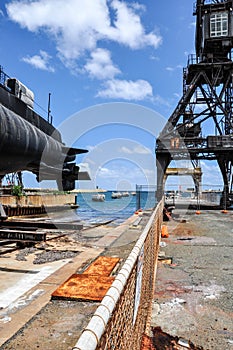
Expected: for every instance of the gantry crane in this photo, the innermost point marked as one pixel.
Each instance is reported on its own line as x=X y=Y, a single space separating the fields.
x=201 y=126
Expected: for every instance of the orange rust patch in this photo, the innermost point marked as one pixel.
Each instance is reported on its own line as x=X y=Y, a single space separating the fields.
x=93 y=284
x=103 y=266
x=161 y=340
x=88 y=287
x=146 y=343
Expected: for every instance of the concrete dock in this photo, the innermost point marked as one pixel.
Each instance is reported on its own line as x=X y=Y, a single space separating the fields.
x=193 y=292
x=194 y=289
x=29 y=319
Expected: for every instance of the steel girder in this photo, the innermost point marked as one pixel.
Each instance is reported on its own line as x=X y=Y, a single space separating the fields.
x=206 y=108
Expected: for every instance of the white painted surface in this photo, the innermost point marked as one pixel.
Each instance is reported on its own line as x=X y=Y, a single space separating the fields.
x=28 y=281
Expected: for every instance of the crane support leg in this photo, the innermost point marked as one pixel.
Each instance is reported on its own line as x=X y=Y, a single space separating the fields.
x=162 y=162
x=226 y=170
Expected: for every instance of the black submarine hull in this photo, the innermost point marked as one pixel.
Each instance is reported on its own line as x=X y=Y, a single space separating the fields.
x=29 y=142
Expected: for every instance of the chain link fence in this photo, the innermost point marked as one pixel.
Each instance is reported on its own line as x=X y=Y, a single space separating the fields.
x=125 y=312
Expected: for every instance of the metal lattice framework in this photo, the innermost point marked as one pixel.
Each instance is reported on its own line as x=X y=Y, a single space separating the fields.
x=201 y=126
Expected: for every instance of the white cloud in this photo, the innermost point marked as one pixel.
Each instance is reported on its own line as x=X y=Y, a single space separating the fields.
x=159 y=100
x=139 y=149
x=142 y=150
x=126 y=150
x=138 y=6
x=211 y=174
x=40 y=61
x=90 y=148
x=100 y=65
x=127 y=90
x=172 y=69
x=117 y=172
x=78 y=26
x=108 y=173
x=84 y=167
x=154 y=58
x=135 y=36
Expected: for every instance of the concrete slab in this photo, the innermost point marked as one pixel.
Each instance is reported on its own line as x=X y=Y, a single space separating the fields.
x=31 y=298
x=54 y=323
x=194 y=295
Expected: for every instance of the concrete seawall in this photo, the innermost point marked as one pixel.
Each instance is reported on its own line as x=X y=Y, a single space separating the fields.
x=38 y=200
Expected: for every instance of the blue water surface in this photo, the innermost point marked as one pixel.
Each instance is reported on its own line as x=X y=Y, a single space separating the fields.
x=115 y=210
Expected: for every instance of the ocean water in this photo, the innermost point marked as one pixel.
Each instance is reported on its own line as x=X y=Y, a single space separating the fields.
x=114 y=210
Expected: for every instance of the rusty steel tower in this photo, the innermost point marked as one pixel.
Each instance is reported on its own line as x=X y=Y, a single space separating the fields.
x=201 y=126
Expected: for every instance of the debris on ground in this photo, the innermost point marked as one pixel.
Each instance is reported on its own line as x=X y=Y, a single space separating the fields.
x=45 y=256
x=21 y=256
x=53 y=255
x=167 y=213
x=164 y=341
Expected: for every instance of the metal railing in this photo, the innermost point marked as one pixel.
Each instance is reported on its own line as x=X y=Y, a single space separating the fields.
x=193 y=59
x=124 y=314
x=3 y=76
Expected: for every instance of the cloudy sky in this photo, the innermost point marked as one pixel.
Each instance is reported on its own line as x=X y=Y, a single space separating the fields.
x=114 y=71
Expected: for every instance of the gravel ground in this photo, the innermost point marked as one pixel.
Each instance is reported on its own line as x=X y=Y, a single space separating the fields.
x=49 y=256
x=45 y=256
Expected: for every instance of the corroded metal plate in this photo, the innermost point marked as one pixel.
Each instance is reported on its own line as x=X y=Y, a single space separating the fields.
x=103 y=266
x=84 y=286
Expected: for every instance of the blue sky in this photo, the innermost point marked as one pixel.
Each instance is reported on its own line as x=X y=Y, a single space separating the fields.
x=103 y=62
